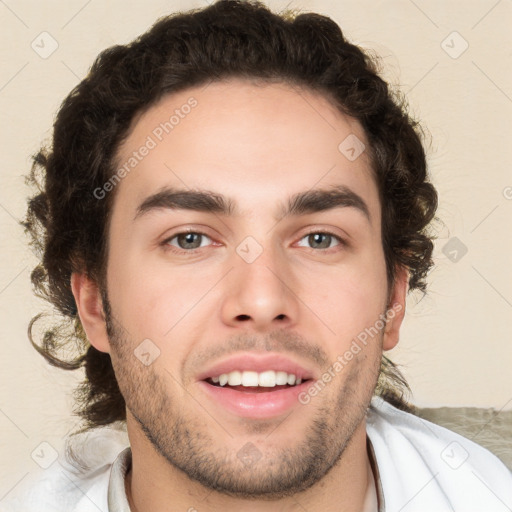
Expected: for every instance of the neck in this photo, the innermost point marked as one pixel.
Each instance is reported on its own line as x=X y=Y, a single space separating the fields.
x=154 y=484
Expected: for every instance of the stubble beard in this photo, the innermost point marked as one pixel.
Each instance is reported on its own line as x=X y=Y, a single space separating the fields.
x=182 y=435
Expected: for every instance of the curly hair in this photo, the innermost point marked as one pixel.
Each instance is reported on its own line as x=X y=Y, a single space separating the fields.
x=68 y=225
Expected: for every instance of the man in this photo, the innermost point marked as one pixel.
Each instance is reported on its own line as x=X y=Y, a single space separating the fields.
x=234 y=208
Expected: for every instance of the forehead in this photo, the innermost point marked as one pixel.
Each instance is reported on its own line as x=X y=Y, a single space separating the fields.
x=252 y=142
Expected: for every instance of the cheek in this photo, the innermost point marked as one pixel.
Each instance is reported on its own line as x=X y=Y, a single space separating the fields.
x=348 y=301
x=155 y=301
x=350 y=287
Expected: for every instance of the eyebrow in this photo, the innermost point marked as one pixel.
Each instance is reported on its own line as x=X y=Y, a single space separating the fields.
x=302 y=203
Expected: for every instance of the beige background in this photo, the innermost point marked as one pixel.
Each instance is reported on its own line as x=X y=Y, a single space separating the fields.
x=456 y=345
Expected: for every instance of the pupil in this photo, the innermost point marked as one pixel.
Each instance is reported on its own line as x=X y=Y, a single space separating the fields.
x=189 y=242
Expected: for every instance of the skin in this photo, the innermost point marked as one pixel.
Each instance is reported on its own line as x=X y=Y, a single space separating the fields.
x=258 y=145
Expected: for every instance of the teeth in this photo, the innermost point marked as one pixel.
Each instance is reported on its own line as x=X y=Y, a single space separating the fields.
x=249 y=378
x=234 y=378
x=267 y=379
x=281 y=378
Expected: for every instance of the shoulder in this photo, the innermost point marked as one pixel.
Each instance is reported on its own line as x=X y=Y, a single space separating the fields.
x=422 y=464
x=57 y=489
x=78 y=481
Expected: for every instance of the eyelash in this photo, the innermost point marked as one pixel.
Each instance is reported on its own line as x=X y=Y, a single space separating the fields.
x=167 y=246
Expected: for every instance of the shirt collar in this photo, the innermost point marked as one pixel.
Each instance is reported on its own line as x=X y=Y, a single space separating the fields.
x=376 y=475
x=118 y=502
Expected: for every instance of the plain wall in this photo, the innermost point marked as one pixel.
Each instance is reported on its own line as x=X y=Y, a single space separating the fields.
x=455 y=347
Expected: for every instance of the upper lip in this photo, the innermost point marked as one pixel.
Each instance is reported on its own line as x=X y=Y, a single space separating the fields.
x=257 y=363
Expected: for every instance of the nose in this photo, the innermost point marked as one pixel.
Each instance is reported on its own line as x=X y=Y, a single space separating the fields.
x=260 y=294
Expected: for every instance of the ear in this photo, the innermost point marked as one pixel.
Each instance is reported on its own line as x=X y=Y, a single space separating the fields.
x=396 y=309
x=90 y=310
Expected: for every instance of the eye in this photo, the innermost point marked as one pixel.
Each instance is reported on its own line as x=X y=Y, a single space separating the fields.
x=186 y=241
x=190 y=241
x=323 y=240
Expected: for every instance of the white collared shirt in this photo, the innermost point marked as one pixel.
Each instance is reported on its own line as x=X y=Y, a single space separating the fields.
x=419 y=467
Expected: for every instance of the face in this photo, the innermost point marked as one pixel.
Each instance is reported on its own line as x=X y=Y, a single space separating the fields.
x=261 y=283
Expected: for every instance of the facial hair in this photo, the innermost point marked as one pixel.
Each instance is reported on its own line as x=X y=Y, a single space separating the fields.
x=180 y=432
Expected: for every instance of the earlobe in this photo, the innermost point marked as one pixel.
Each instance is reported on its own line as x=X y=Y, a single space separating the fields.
x=90 y=310
x=396 y=309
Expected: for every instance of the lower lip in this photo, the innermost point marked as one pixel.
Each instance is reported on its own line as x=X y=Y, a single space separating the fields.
x=255 y=405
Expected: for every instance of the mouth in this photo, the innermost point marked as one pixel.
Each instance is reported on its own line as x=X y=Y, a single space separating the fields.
x=255 y=395
x=256 y=385
x=256 y=382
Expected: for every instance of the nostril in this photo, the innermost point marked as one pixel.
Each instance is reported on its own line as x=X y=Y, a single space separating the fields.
x=243 y=317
